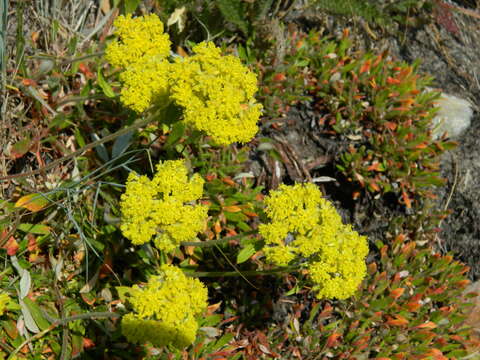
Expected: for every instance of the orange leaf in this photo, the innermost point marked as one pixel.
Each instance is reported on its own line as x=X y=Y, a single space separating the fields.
x=11 y=246
x=228 y=181
x=408 y=248
x=332 y=339
x=437 y=354
x=374 y=186
x=365 y=67
x=428 y=325
x=462 y=283
x=396 y=293
x=406 y=200
x=32 y=202
x=421 y=146
x=392 y=81
x=32 y=243
x=86 y=71
x=279 y=77
x=372 y=268
x=398 y=321
x=218 y=227
x=232 y=208
x=29 y=82
x=413 y=306
x=88 y=343
x=374 y=166
x=181 y=52
x=390 y=125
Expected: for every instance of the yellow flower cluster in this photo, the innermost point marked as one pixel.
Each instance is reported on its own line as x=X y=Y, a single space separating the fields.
x=216 y=94
x=306 y=226
x=145 y=83
x=139 y=39
x=165 y=309
x=163 y=207
x=142 y=50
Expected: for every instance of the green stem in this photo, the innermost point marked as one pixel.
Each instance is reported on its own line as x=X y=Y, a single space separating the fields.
x=64 y=321
x=209 y=243
x=287 y=269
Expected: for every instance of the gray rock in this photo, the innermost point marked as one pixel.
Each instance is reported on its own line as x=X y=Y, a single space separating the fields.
x=453 y=117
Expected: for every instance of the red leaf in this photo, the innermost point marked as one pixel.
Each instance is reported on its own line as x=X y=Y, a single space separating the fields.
x=86 y=71
x=32 y=243
x=11 y=246
x=279 y=77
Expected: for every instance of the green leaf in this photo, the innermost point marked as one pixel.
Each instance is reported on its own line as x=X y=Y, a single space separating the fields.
x=107 y=89
x=20 y=148
x=233 y=11
x=121 y=144
x=178 y=129
x=122 y=292
x=30 y=323
x=246 y=253
x=36 y=313
x=131 y=5
x=38 y=229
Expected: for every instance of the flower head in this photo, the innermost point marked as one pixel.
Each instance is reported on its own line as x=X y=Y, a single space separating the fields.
x=145 y=83
x=164 y=207
x=306 y=229
x=139 y=39
x=164 y=310
x=216 y=94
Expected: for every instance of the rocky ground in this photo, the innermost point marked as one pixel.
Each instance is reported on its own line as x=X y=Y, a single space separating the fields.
x=449 y=52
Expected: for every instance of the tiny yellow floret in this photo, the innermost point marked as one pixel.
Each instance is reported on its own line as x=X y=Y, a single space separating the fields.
x=216 y=94
x=164 y=208
x=306 y=229
x=138 y=39
x=145 y=83
x=164 y=310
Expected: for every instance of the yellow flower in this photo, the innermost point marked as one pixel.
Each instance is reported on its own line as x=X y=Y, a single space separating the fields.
x=216 y=94
x=145 y=83
x=164 y=310
x=139 y=39
x=306 y=229
x=341 y=265
x=163 y=207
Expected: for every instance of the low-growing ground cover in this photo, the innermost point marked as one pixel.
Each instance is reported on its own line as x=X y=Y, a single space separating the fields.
x=125 y=199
